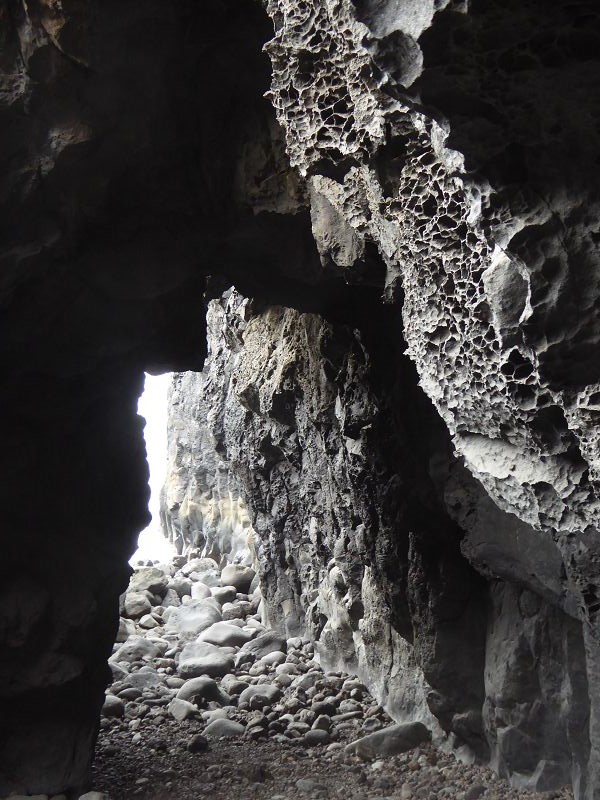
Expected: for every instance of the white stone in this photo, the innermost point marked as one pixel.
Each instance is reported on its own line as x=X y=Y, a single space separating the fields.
x=148 y=622
x=193 y=618
x=200 y=591
x=225 y=634
x=136 y=604
x=202 y=658
x=182 y=709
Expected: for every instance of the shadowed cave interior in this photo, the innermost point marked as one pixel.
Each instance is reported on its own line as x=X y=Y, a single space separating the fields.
x=400 y=394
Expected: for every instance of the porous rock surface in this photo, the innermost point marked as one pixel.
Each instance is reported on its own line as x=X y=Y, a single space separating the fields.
x=474 y=186
x=444 y=154
x=347 y=467
x=418 y=138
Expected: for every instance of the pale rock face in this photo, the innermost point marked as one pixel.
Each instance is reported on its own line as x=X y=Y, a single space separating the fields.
x=202 y=507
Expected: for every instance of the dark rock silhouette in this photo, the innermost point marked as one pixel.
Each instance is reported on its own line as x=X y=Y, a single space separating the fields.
x=441 y=154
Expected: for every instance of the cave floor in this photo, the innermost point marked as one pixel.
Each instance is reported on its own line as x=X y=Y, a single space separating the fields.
x=160 y=767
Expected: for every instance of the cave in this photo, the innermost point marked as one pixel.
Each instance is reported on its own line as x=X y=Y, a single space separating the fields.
x=365 y=235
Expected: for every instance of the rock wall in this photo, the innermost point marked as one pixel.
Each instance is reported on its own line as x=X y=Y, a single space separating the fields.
x=355 y=495
x=112 y=185
x=424 y=132
x=202 y=504
x=427 y=131
x=443 y=154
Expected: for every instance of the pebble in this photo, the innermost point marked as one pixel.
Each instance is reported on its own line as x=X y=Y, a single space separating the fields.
x=197 y=743
x=316 y=737
x=113 y=706
x=224 y=729
x=308 y=785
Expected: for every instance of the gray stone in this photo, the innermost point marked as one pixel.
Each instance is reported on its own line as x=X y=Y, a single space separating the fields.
x=197 y=743
x=126 y=629
x=27 y=797
x=390 y=741
x=149 y=579
x=233 y=685
x=112 y=707
x=308 y=786
x=202 y=658
x=182 y=710
x=171 y=599
x=237 y=575
x=148 y=622
x=262 y=645
x=181 y=586
x=200 y=591
x=237 y=610
x=316 y=737
x=145 y=678
x=94 y=796
x=475 y=792
x=224 y=594
x=199 y=565
x=136 y=605
x=192 y=619
x=260 y=695
x=202 y=688
x=223 y=634
x=274 y=658
x=138 y=647
x=224 y=729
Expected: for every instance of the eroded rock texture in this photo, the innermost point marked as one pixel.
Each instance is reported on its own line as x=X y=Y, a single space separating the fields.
x=444 y=154
x=354 y=491
x=449 y=138
x=476 y=180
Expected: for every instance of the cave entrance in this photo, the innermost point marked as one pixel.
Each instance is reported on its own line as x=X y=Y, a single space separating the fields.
x=153 y=545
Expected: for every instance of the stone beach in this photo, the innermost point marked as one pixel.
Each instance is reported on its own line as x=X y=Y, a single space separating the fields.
x=255 y=715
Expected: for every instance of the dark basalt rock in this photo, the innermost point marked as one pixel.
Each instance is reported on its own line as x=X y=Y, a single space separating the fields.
x=444 y=154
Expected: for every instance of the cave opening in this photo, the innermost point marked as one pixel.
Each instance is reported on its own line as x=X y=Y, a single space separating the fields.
x=153 y=545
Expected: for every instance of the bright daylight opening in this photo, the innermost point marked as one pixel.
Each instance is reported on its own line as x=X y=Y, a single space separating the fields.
x=153 y=406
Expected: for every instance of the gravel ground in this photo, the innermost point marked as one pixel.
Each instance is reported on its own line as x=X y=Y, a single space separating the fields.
x=160 y=767
x=194 y=662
